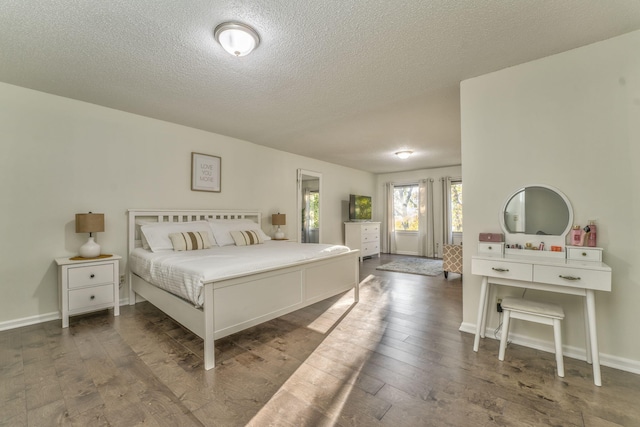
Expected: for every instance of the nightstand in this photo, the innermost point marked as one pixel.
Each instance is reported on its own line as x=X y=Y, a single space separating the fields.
x=88 y=285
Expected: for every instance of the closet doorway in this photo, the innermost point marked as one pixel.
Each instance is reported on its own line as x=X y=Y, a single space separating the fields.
x=309 y=203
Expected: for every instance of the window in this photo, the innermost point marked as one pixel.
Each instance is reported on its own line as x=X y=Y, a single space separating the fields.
x=405 y=207
x=456 y=206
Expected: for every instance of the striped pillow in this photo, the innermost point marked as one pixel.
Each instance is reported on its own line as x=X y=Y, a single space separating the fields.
x=190 y=241
x=244 y=238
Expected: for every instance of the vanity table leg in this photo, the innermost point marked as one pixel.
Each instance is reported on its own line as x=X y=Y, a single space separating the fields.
x=482 y=306
x=587 y=330
x=595 y=355
x=483 y=324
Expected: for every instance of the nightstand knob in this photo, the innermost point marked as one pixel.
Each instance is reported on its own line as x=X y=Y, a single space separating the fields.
x=92 y=275
x=92 y=297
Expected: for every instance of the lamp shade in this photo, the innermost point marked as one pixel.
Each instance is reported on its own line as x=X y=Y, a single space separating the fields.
x=279 y=219
x=89 y=222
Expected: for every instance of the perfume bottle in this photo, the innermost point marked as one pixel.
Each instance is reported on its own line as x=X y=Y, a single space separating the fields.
x=576 y=236
x=591 y=237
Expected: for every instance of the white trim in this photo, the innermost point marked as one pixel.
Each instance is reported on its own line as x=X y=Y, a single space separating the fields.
x=40 y=318
x=31 y=320
x=407 y=253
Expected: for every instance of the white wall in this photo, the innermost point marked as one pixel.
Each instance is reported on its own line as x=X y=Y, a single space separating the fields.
x=571 y=121
x=61 y=157
x=407 y=243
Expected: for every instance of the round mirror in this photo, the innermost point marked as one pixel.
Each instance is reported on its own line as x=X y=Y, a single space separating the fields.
x=537 y=210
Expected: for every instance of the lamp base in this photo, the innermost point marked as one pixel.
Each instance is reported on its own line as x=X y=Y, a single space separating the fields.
x=90 y=249
x=279 y=234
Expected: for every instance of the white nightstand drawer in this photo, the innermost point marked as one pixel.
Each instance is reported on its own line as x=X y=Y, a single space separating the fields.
x=584 y=254
x=502 y=269
x=90 y=275
x=87 y=298
x=574 y=277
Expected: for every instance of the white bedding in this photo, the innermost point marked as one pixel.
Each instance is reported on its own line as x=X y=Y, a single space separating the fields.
x=184 y=273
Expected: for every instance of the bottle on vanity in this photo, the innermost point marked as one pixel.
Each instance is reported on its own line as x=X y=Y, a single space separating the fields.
x=591 y=237
x=576 y=236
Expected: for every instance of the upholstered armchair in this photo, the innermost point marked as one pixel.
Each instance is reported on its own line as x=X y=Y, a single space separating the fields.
x=452 y=259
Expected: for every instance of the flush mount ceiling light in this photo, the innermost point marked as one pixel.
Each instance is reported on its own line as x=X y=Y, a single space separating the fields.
x=236 y=38
x=404 y=154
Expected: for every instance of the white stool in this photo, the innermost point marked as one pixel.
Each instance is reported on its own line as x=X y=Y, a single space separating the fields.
x=533 y=311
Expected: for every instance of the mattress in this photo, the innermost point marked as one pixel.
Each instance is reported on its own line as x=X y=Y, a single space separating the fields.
x=184 y=273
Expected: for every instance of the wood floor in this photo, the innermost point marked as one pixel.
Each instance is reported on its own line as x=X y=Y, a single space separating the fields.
x=394 y=359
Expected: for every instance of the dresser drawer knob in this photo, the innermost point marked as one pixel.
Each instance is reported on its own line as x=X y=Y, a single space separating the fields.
x=569 y=277
x=92 y=297
x=584 y=254
x=92 y=275
x=501 y=270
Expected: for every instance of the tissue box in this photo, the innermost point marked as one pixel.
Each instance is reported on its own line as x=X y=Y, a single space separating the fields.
x=491 y=237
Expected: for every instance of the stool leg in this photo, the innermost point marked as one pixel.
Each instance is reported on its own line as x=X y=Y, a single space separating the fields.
x=505 y=333
x=557 y=335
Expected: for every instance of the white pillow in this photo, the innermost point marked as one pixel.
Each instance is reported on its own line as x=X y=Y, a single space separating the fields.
x=222 y=229
x=157 y=233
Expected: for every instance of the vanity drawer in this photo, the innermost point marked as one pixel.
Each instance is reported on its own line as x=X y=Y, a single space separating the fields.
x=490 y=248
x=584 y=254
x=90 y=275
x=87 y=298
x=502 y=269
x=574 y=277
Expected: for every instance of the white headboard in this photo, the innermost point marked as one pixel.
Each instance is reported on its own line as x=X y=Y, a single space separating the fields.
x=138 y=217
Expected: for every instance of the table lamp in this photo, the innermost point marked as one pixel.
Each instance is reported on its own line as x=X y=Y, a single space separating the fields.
x=279 y=219
x=89 y=223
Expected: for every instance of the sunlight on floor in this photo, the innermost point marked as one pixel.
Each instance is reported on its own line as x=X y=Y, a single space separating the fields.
x=312 y=390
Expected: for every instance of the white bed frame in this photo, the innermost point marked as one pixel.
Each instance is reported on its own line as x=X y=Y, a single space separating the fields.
x=242 y=301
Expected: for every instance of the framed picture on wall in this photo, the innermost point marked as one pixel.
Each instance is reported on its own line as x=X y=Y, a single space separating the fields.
x=205 y=172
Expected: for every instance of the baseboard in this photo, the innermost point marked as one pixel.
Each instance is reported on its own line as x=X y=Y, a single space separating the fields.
x=26 y=321
x=411 y=253
x=623 y=364
x=40 y=318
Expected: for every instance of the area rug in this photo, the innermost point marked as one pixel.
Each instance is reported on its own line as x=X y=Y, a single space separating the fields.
x=423 y=266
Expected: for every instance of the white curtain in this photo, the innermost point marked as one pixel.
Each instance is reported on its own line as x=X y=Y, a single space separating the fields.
x=388 y=227
x=426 y=235
x=447 y=234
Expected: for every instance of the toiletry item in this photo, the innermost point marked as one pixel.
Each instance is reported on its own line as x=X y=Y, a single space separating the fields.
x=556 y=248
x=576 y=235
x=591 y=237
x=541 y=246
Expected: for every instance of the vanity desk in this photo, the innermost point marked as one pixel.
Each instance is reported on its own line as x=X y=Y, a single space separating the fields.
x=563 y=276
x=574 y=271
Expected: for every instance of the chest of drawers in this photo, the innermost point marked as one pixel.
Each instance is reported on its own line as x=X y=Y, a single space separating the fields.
x=364 y=236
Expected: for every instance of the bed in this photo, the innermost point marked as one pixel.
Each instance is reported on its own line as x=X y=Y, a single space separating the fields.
x=236 y=298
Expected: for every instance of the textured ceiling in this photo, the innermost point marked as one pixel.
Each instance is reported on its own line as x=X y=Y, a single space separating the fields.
x=349 y=82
